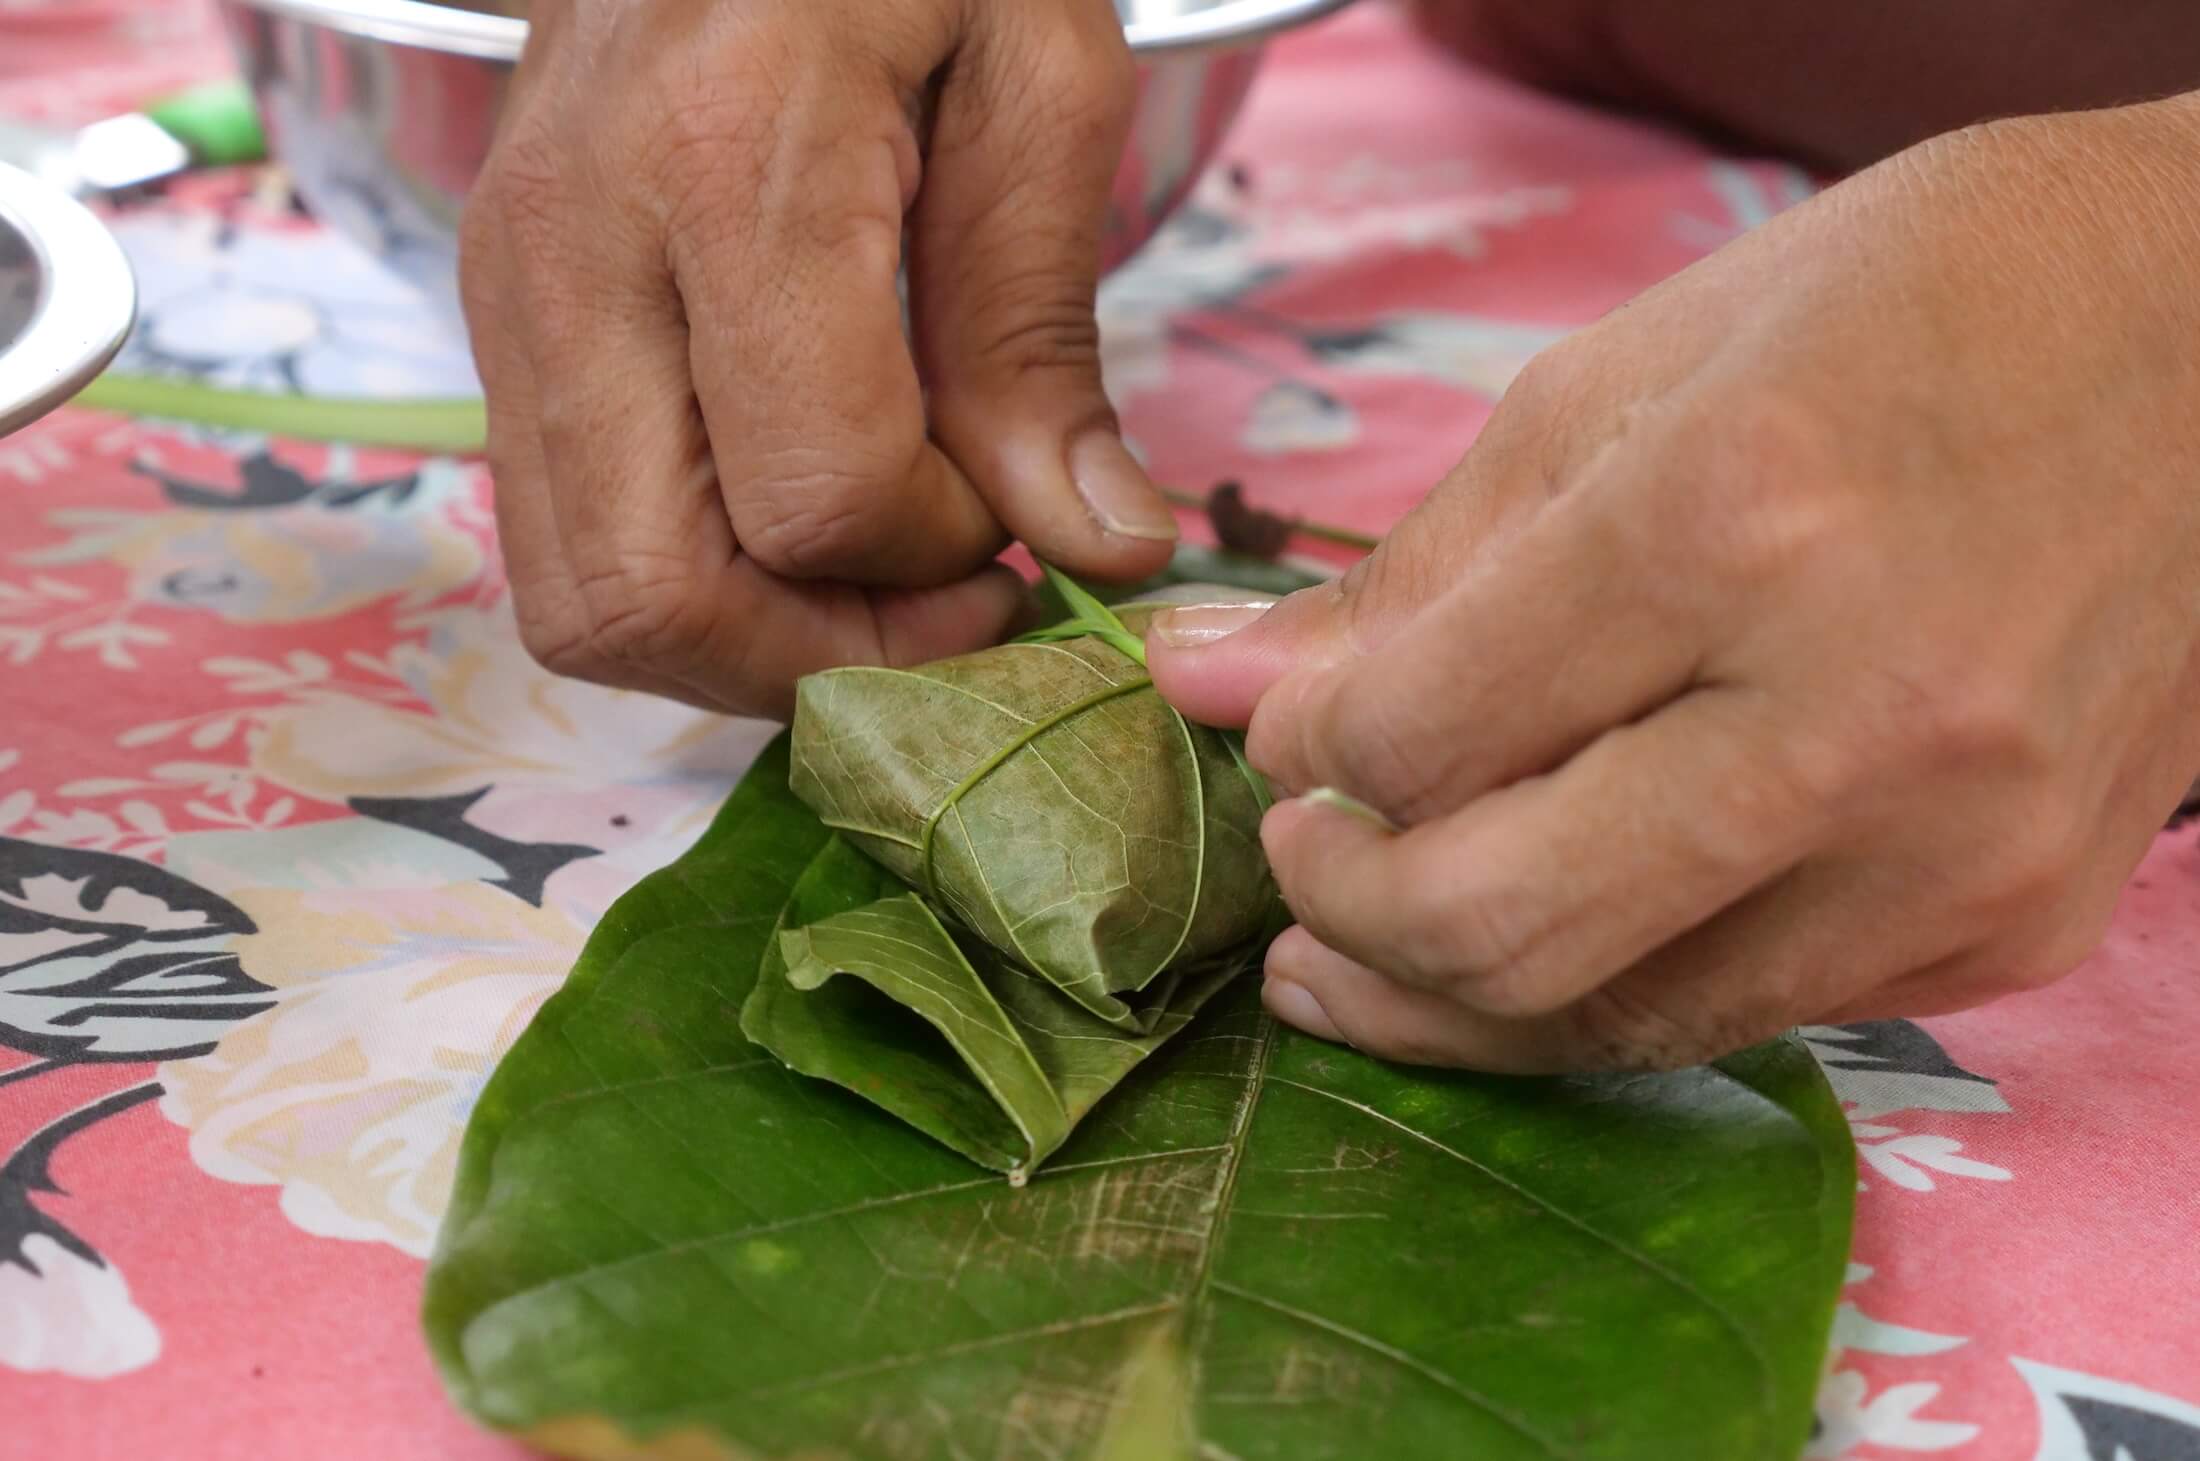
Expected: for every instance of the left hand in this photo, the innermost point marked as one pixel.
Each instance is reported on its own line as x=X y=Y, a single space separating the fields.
x=1817 y=638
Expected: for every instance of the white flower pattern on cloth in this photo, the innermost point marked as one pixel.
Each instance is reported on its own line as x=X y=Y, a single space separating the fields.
x=1910 y=1159
x=65 y=1314
x=1891 y=1419
x=279 y=547
x=1852 y=1414
x=310 y=699
x=1878 y=1069
x=396 y=994
x=409 y=946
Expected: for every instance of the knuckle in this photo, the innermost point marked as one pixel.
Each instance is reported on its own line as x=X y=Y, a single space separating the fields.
x=1940 y=710
x=1737 y=828
x=1404 y=756
x=1370 y=746
x=2031 y=953
x=812 y=525
x=702 y=157
x=1927 y=711
x=1402 y=1043
x=479 y=233
x=1280 y=740
x=514 y=476
x=1389 y=586
x=552 y=637
x=2036 y=856
x=1085 y=74
x=1614 y=1029
x=1488 y=946
x=523 y=186
x=1041 y=324
x=643 y=612
x=2073 y=940
x=2040 y=967
x=1977 y=714
x=1783 y=788
x=1772 y=506
x=1819 y=770
x=1541 y=386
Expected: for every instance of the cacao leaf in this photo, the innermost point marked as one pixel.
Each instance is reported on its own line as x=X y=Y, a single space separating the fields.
x=1259 y=1247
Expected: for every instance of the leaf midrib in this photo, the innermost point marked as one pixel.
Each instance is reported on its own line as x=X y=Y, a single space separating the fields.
x=1256 y=1081
x=1410 y=1363
x=1193 y=1297
x=574 y=1277
x=1199 y=1294
x=927 y=839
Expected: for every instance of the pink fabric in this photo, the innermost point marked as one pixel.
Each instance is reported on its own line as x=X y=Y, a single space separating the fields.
x=247 y=687
x=74 y=61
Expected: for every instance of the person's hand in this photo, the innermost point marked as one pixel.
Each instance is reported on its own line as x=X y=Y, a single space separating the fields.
x=1817 y=638
x=719 y=463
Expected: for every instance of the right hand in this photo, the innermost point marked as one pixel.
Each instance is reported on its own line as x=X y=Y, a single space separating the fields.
x=720 y=463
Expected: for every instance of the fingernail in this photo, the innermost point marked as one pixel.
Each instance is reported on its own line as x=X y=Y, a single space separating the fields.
x=1292 y=1004
x=1351 y=806
x=1193 y=626
x=1116 y=490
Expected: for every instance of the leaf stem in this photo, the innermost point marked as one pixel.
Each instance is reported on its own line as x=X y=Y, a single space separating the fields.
x=1323 y=532
x=448 y=424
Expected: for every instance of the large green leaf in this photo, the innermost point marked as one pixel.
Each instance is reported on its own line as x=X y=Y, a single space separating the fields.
x=1258 y=1248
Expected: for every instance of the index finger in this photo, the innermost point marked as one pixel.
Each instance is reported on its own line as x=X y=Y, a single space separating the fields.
x=1576 y=628
x=666 y=592
x=774 y=191
x=1532 y=896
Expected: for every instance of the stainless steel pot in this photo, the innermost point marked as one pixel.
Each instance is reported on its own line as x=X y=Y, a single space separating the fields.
x=383 y=110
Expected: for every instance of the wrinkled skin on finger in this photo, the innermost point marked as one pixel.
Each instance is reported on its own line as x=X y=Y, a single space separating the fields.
x=720 y=460
x=1818 y=637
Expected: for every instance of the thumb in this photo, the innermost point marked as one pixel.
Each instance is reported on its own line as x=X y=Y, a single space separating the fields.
x=1214 y=661
x=1005 y=255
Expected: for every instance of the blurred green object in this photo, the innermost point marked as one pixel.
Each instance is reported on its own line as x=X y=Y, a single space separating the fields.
x=216 y=121
x=206 y=126
x=440 y=425
x=460 y=424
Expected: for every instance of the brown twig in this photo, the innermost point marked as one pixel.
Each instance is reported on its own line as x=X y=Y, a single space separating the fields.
x=1243 y=528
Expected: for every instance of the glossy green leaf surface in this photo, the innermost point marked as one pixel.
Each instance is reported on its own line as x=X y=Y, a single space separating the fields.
x=1257 y=1248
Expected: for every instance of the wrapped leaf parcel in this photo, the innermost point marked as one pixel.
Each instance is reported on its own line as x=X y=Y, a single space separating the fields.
x=1076 y=869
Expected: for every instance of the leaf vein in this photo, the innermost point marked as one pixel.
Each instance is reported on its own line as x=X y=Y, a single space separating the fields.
x=1401 y=1358
x=1748 y=1345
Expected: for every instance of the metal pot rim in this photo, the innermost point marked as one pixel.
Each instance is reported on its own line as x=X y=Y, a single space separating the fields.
x=87 y=300
x=499 y=37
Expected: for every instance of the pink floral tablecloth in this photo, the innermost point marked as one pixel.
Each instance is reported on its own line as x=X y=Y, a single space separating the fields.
x=294 y=838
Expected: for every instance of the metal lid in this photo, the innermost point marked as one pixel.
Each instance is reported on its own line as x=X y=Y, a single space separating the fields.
x=67 y=297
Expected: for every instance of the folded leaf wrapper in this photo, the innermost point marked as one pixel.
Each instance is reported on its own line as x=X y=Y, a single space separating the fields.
x=1075 y=869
